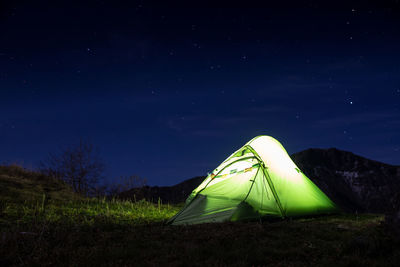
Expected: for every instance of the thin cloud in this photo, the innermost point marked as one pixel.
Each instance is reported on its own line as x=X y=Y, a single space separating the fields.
x=359 y=118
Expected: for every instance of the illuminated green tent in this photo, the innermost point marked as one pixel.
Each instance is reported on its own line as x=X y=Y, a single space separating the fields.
x=259 y=179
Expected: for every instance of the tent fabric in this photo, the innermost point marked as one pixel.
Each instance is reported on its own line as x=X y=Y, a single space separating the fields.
x=257 y=180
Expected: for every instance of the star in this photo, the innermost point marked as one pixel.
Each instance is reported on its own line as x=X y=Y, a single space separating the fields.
x=244 y=57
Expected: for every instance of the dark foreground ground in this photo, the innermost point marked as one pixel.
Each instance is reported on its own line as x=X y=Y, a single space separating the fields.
x=96 y=232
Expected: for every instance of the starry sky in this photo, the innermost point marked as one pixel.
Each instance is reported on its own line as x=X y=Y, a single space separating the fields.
x=168 y=92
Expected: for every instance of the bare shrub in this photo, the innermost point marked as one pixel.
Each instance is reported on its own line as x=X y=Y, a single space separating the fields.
x=80 y=166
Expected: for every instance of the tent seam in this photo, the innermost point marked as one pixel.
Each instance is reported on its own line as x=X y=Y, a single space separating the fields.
x=270 y=183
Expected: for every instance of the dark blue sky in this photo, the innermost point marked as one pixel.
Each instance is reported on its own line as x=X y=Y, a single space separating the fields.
x=167 y=93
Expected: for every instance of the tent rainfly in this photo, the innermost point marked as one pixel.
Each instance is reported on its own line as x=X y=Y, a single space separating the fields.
x=259 y=179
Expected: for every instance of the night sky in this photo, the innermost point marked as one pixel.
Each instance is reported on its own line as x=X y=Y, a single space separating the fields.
x=168 y=92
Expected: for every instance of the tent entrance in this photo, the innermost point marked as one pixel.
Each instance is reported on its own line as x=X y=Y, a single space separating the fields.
x=237 y=191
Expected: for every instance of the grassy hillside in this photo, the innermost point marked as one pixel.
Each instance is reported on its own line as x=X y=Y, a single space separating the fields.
x=20 y=185
x=88 y=232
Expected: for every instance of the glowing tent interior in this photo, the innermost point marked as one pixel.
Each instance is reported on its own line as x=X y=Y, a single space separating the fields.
x=259 y=179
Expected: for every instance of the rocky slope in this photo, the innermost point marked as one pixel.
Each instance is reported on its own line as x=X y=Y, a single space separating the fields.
x=354 y=183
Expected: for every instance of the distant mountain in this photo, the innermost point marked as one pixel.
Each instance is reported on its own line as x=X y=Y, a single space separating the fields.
x=352 y=182
x=172 y=194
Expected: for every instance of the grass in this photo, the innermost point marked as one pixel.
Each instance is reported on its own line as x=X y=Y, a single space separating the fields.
x=39 y=229
x=100 y=232
x=39 y=233
x=85 y=212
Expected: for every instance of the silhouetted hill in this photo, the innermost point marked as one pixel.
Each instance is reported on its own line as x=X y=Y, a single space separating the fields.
x=172 y=194
x=352 y=182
